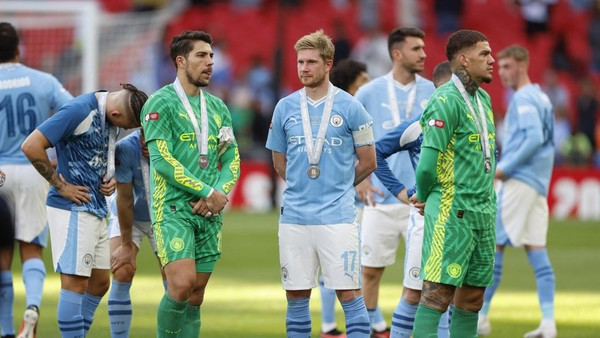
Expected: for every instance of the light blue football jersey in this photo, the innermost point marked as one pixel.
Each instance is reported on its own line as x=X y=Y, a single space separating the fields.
x=82 y=150
x=374 y=97
x=128 y=157
x=328 y=199
x=27 y=98
x=528 y=150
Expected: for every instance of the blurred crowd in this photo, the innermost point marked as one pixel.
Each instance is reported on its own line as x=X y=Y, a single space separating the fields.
x=565 y=34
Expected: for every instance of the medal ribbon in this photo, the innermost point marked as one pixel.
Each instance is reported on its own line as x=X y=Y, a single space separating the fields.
x=201 y=137
x=314 y=150
x=393 y=99
x=112 y=136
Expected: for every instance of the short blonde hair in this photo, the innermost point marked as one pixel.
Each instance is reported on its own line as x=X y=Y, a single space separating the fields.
x=319 y=41
x=516 y=52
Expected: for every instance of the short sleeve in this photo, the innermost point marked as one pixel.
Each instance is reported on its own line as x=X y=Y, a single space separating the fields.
x=156 y=119
x=439 y=121
x=276 y=138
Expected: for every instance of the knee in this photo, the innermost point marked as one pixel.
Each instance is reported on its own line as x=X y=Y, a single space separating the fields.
x=99 y=287
x=412 y=296
x=124 y=274
x=180 y=288
x=347 y=295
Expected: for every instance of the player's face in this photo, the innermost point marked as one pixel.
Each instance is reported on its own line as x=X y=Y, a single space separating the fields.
x=508 y=71
x=411 y=54
x=198 y=64
x=312 y=69
x=479 y=61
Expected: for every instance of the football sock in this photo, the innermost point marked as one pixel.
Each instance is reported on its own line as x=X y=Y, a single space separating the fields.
x=7 y=294
x=328 y=299
x=191 y=326
x=450 y=312
x=297 y=318
x=89 y=304
x=427 y=320
x=34 y=273
x=491 y=290
x=119 y=309
x=357 y=318
x=444 y=326
x=544 y=278
x=403 y=319
x=378 y=323
x=70 y=320
x=464 y=324
x=170 y=316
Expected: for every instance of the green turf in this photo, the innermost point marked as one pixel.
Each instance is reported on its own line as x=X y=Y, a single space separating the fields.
x=244 y=297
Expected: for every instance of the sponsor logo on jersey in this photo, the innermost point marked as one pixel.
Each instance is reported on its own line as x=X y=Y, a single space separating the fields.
x=436 y=123
x=152 y=116
x=336 y=121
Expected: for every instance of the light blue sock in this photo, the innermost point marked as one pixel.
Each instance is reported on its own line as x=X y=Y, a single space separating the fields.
x=544 y=278
x=491 y=290
x=89 y=304
x=450 y=312
x=297 y=318
x=403 y=319
x=119 y=309
x=34 y=273
x=328 y=299
x=7 y=297
x=70 y=320
x=444 y=326
x=357 y=318
x=378 y=322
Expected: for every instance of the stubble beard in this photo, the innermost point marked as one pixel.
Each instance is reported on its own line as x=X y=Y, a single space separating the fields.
x=196 y=82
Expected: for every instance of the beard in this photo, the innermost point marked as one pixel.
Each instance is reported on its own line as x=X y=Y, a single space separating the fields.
x=487 y=79
x=199 y=82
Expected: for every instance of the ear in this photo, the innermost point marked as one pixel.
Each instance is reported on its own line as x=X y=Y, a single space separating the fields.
x=329 y=65
x=463 y=59
x=396 y=54
x=181 y=61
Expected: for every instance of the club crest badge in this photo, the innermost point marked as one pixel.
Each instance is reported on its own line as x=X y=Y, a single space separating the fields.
x=336 y=121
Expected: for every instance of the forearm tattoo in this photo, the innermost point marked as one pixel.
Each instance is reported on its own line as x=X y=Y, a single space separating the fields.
x=45 y=169
x=470 y=84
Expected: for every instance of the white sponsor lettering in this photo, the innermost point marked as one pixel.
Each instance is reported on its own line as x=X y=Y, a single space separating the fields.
x=15 y=83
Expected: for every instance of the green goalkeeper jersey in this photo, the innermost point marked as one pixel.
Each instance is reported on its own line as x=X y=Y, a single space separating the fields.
x=463 y=188
x=177 y=177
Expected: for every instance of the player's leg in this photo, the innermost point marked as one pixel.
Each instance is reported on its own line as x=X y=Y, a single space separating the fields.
x=7 y=239
x=175 y=239
x=34 y=274
x=338 y=247
x=404 y=314
x=382 y=227
x=299 y=265
x=477 y=273
x=328 y=324
x=535 y=239
x=119 y=299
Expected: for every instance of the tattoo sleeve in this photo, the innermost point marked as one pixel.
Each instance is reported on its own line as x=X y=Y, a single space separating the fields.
x=44 y=167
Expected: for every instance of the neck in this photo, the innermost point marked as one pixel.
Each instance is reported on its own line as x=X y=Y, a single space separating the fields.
x=523 y=81
x=319 y=91
x=402 y=75
x=471 y=84
x=189 y=88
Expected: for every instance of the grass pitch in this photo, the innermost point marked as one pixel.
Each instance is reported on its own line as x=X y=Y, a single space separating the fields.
x=244 y=296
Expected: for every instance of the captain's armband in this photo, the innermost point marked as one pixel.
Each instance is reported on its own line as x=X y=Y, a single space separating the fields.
x=364 y=135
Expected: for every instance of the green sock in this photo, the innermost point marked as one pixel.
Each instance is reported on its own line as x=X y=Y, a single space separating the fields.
x=464 y=324
x=170 y=317
x=427 y=320
x=191 y=326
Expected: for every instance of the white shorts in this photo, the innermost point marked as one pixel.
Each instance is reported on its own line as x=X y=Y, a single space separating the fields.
x=25 y=191
x=414 y=245
x=79 y=242
x=335 y=248
x=139 y=230
x=522 y=217
x=382 y=227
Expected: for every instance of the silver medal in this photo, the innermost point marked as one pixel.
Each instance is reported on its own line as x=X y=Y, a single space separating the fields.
x=203 y=161
x=487 y=165
x=313 y=171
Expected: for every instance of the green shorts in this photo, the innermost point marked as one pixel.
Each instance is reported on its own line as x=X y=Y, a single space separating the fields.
x=198 y=239
x=455 y=253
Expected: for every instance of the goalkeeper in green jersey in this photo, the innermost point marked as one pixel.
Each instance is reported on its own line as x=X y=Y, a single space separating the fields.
x=455 y=190
x=194 y=165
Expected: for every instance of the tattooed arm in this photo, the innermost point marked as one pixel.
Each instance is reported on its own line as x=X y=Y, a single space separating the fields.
x=34 y=148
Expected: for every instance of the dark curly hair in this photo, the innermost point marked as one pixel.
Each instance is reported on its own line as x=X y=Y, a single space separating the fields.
x=136 y=100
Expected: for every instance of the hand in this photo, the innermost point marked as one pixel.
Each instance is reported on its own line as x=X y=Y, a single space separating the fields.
x=108 y=188
x=74 y=193
x=499 y=174
x=417 y=204
x=199 y=207
x=216 y=202
x=365 y=191
x=123 y=255
x=403 y=196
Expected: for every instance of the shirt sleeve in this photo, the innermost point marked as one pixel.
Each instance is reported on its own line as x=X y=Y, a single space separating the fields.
x=361 y=125
x=276 y=140
x=229 y=160
x=440 y=120
x=60 y=96
x=62 y=124
x=124 y=158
